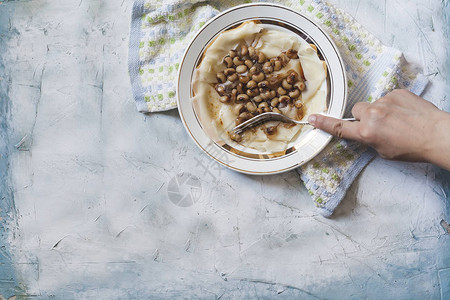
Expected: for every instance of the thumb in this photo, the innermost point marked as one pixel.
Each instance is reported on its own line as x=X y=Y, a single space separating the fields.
x=336 y=127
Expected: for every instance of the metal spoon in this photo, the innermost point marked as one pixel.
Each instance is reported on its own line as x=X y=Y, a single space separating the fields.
x=270 y=116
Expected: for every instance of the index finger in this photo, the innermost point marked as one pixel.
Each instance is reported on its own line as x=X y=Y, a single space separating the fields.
x=336 y=127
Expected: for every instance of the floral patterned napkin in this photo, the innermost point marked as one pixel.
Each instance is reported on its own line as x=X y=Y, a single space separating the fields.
x=161 y=30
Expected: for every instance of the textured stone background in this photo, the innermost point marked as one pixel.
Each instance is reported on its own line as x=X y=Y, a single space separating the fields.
x=85 y=210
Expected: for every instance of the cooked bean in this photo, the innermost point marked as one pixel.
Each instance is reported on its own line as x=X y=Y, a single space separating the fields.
x=286 y=85
x=265 y=95
x=243 y=115
x=242 y=98
x=300 y=85
x=298 y=104
x=258 y=77
x=284 y=99
x=300 y=114
x=284 y=59
x=267 y=68
x=254 y=70
x=240 y=88
x=237 y=61
x=263 y=105
x=235 y=137
x=251 y=84
x=228 y=61
x=263 y=84
x=252 y=92
x=229 y=71
x=232 y=53
x=224 y=99
x=244 y=50
x=221 y=77
x=252 y=52
x=220 y=89
x=239 y=121
x=261 y=57
x=294 y=94
x=274 y=80
x=241 y=69
x=291 y=53
x=281 y=91
x=238 y=109
x=233 y=77
x=259 y=110
x=274 y=102
x=251 y=107
x=244 y=79
x=257 y=98
x=248 y=63
x=292 y=77
x=233 y=95
x=277 y=66
x=276 y=110
x=273 y=94
x=246 y=115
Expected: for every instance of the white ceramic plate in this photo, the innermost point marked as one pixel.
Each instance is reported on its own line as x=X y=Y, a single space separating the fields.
x=309 y=144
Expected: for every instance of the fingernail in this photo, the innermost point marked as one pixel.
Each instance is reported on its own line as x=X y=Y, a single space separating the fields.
x=312 y=119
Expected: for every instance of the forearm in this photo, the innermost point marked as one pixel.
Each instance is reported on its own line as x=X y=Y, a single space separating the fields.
x=438 y=151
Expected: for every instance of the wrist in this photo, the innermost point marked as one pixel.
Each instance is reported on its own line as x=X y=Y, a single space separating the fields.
x=438 y=148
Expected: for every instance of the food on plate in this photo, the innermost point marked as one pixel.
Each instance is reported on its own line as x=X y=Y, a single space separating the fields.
x=252 y=69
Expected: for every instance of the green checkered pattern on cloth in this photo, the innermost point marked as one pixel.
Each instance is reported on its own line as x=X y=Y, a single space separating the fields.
x=161 y=30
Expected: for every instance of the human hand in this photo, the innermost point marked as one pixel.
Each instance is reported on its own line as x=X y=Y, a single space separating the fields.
x=399 y=126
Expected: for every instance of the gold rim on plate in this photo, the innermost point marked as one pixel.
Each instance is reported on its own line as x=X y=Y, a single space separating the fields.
x=310 y=143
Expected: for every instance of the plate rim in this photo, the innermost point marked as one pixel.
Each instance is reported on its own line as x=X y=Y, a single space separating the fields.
x=318 y=133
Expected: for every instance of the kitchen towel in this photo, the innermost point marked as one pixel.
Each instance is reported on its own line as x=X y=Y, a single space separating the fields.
x=161 y=30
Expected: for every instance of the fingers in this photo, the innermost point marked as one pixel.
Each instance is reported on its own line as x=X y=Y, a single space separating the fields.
x=359 y=108
x=336 y=127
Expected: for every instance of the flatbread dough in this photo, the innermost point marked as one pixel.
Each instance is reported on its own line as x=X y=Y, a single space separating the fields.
x=217 y=118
